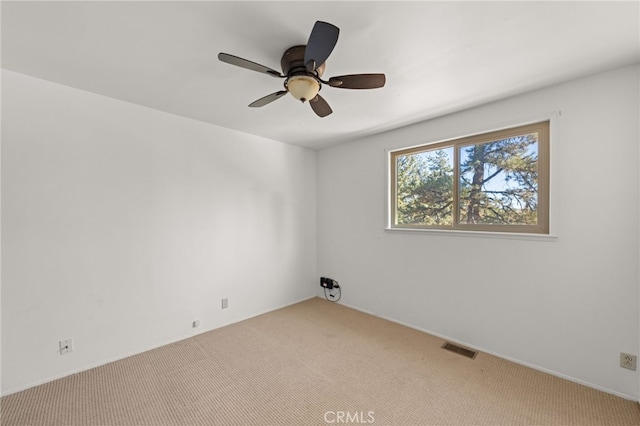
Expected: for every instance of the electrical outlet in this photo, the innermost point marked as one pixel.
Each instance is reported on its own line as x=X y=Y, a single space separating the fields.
x=196 y=323
x=225 y=303
x=628 y=361
x=66 y=346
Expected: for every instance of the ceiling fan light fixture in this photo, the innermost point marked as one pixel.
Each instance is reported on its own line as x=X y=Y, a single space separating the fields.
x=303 y=87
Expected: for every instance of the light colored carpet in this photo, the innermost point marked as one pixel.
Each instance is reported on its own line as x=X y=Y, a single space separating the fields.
x=313 y=363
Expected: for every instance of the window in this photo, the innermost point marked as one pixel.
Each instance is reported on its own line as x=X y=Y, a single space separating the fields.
x=496 y=181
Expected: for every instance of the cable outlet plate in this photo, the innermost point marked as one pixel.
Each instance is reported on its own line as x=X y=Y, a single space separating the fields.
x=66 y=346
x=225 y=303
x=628 y=361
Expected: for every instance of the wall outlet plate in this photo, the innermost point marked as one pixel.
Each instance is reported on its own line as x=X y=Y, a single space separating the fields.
x=225 y=303
x=66 y=346
x=628 y=361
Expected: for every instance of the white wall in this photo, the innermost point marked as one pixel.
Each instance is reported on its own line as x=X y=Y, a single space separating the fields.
x=567 y=305
x=121 y=225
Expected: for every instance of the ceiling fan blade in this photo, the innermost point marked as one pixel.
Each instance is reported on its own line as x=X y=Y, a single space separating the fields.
x=268 y=99
x=358 y=81
x=245 y=63
x=322 y=40
x=320 y=106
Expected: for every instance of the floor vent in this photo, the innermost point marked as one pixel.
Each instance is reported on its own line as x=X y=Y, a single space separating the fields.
x=459 y=350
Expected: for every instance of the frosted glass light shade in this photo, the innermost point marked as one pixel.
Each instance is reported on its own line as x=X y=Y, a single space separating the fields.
x=303 y=88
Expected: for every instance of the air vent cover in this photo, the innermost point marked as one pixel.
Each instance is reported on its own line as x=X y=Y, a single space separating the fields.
x=459 y=350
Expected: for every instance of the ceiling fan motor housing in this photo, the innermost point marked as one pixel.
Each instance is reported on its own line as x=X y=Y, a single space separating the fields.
x=292 y=62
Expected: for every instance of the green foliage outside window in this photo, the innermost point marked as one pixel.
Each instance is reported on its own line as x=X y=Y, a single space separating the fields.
x=425 y=188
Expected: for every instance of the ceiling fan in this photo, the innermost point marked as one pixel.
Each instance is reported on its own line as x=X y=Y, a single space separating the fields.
x=302 y=69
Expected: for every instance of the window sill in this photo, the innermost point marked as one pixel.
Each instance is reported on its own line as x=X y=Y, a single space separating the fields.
x=476 y=234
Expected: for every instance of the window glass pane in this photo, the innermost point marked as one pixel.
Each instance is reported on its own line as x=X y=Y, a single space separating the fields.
x=499 y=182
x=424 y=188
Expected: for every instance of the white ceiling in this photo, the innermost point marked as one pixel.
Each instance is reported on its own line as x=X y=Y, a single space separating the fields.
x=439 y=57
